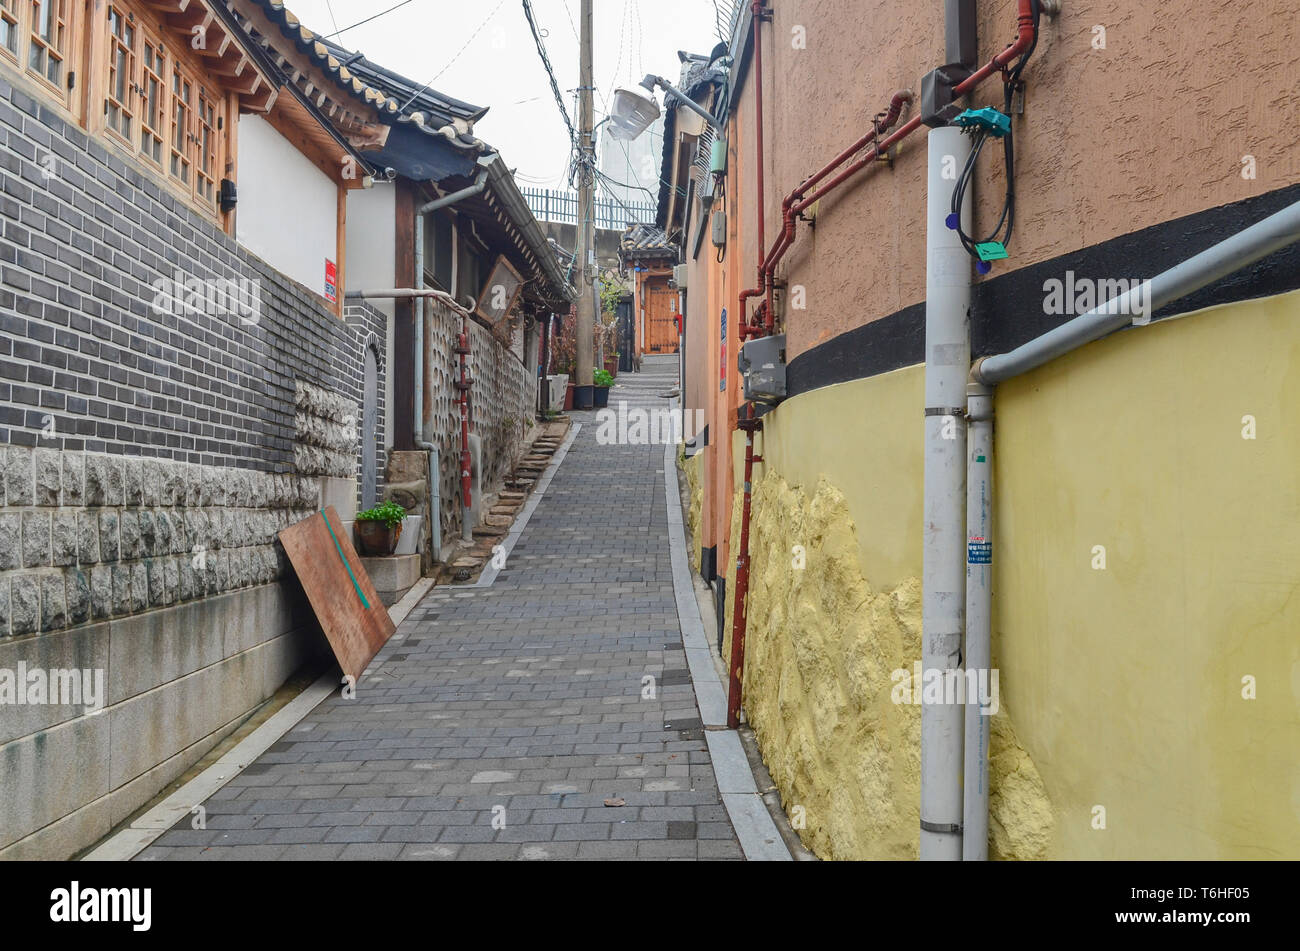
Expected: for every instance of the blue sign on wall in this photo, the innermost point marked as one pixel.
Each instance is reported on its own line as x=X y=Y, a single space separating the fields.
x=722 y=377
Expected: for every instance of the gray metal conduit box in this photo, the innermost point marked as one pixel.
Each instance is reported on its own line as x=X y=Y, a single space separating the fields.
x=762 y=366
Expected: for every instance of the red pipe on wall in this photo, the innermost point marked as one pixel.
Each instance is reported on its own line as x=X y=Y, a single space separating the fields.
x=795 y=204
x=736 y=668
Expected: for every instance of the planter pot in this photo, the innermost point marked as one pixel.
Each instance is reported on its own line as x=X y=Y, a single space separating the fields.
x=376 y=538
x=601 y=396
x=611 y=365
x=568 y=397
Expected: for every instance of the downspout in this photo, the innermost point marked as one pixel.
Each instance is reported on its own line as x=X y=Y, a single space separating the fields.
x=943 y=601
x=750 y=423
x=979 y=621
x=424 y=400
x=1256 y=242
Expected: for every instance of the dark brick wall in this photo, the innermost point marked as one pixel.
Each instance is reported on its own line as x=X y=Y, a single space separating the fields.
x=85 y=233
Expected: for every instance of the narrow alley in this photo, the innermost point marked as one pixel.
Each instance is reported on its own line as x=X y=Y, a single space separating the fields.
x=514 y=720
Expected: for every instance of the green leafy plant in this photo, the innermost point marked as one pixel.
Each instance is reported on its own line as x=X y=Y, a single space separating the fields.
x=602 y=377
x=389 y=512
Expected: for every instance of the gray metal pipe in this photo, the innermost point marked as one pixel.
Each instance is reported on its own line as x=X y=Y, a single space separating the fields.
x=1261 y=239
x=979 y=618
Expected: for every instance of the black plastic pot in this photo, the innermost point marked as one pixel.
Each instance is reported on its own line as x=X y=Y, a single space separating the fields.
x=601 y=396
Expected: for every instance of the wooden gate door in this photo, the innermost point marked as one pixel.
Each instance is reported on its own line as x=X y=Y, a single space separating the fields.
x=660 y=308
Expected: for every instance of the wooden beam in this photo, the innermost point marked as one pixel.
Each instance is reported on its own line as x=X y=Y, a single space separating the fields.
x=95 y=74
x=340 y=248
x=402 y=360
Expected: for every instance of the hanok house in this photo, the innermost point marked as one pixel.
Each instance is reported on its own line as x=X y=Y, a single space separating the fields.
x=447 y=217
x=646 y=252
x=179 y=379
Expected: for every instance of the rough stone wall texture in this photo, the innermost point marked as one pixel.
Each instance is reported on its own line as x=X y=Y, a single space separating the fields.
x=821 y=648
x=692 y=468
x=90 y=536
x=1151 y=128
x=327 y=433
x=501 y=405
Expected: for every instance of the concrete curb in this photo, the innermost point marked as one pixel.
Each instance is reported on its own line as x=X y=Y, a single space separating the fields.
x=759 y=838
x=127 y=843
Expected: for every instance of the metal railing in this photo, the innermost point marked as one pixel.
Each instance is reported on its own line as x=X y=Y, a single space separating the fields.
x=550 y=204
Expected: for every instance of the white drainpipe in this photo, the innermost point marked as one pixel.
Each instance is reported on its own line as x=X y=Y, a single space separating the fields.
x=979 y=608
x=947 y=363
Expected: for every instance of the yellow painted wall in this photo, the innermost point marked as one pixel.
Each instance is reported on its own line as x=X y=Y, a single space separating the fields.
x=1129 y=678
x=1120 y=688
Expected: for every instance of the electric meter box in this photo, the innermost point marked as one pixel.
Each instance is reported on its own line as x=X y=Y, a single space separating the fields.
x=762 y=367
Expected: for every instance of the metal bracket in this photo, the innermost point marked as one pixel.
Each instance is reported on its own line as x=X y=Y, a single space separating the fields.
x=959 y=412
x=944 y=828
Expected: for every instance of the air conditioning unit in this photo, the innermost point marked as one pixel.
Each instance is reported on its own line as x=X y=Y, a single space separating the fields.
x=679 y=276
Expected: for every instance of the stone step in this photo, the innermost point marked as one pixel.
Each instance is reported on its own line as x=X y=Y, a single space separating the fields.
x=510 y=495
x=499 y=521
x=503 y=510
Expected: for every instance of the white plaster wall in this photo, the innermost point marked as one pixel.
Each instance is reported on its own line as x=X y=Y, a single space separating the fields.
x=288 y=209
x=371 y=233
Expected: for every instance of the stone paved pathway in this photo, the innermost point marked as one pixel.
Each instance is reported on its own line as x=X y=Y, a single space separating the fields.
x=520 y=702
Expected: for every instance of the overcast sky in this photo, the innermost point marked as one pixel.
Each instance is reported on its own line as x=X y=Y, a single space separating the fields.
x=481 y=51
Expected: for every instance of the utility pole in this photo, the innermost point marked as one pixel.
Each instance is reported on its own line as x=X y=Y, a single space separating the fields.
x=583 y=394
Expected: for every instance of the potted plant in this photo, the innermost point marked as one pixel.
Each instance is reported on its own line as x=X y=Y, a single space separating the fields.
x=603 y=382
x=377 y=530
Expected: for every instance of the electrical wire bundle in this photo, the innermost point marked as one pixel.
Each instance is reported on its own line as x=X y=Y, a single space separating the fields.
x=994 y=245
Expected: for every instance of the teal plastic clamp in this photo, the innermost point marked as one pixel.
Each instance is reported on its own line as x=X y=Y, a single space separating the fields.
x=991 y=251
x=991 y=120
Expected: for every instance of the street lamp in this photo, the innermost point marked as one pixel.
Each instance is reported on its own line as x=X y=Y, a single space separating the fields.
x=633 y=110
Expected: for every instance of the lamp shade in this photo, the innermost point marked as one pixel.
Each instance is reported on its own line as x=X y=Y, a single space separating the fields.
x=632 y=112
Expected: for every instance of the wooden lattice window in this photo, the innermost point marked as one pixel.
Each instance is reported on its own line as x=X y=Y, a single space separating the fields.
x=119 y=106
x=182 y=126
x=49 y=39
x=153 y=99
x=9 y=27
x=205 y=151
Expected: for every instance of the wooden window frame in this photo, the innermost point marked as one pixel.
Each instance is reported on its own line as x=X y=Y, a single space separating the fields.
x=126 y=104
x=64 y=15
x=18 y=17
x=207 y=175
x=11 y=13
x=156 y=126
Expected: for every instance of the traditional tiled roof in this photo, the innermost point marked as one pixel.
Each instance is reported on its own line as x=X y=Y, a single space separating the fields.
x=645 y=242
x=322 y=55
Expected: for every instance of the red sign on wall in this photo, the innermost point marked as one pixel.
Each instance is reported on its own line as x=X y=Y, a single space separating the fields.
x=331 y=282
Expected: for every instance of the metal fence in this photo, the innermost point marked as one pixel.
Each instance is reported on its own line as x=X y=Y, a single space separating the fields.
x=562 y=206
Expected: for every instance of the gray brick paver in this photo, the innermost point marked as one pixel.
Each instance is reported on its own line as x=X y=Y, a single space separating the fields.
x=525 y=695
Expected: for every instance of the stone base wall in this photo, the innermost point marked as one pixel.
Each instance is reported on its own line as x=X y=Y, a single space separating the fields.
x=175 y=682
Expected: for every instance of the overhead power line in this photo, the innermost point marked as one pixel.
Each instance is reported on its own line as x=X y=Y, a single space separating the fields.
x=546 y=61
x=463 y=48
x=367 y=19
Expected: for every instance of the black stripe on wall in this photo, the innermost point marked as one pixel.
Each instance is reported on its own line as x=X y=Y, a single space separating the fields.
x=1008 y=309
